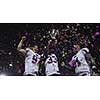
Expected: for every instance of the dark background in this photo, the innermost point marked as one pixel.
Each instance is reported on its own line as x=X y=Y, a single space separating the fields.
x=37 y=33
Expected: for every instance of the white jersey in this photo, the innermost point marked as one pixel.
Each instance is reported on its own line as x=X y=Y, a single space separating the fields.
x=31 y=62
x=51 y=65
x=81 y=63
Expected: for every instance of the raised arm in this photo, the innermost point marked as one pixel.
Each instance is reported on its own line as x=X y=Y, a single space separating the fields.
x=19 y=48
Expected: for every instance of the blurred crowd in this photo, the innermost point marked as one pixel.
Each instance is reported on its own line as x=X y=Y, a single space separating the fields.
x=12 y=61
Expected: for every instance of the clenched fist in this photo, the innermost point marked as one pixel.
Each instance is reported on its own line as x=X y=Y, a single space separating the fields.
x=23 y=38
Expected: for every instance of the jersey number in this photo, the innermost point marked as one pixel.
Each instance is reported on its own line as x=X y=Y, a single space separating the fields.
x=34 y=59
x=50 y=60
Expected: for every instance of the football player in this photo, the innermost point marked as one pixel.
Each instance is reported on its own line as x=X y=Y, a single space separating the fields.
x=32 y=58
x=51 y=63
x=83 y=60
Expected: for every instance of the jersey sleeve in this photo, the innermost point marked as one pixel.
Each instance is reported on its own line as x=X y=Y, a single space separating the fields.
x=27 y=49
x=85 y=50
x=74 y=58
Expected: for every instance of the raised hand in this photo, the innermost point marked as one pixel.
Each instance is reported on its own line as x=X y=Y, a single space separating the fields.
x=54 y=33
x=23 y=38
